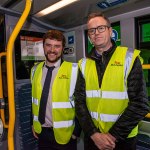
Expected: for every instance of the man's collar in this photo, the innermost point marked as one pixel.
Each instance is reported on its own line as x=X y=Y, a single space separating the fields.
x=56 y=64
x=94 y=54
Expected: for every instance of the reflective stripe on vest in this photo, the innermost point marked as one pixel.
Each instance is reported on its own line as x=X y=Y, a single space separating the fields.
x=33 y=71
x=104 y=117
x=35 y=101
x=94 y=115
x=114 y=95
x=63 y=104
x=106 y=94
x=73 y=81
x=128 y=61
x=35 y=118
x=63 y=124
x=83 y=63
x=93 y=93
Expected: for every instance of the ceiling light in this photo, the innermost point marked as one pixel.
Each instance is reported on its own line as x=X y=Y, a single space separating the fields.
x=54 y=7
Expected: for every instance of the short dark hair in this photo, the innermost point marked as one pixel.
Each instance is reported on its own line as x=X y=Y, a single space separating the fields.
x=98 y=14
x=55 y=34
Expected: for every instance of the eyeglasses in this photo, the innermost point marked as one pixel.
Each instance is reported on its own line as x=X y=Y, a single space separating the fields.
x=100 y=29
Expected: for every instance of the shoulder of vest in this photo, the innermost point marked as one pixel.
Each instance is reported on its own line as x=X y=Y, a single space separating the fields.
x=70 y=63
x=84 y=59
x=34 y=68
x=38 y=65
x=128 y=49
x=66 y=62
x=137 y=50
x=122 y=47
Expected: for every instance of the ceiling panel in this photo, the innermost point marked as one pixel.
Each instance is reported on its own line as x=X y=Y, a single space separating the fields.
x=75 y=14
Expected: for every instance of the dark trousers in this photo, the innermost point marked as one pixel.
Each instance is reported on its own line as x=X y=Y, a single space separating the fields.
x=128 y=144
x=47 y=141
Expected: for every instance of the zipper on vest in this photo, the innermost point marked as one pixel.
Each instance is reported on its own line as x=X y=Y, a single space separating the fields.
x=101 y=69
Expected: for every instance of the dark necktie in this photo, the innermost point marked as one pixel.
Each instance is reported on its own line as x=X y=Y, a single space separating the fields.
x=44 y=96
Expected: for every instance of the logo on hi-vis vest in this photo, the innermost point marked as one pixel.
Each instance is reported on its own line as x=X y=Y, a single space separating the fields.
x=116 y=63
x=63 y=76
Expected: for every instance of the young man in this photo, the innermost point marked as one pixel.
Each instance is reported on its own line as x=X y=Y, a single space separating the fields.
x=53 y=83
x=110 y=95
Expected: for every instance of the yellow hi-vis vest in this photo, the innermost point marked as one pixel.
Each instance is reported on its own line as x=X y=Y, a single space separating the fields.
x=108 y=102
x=63 y=112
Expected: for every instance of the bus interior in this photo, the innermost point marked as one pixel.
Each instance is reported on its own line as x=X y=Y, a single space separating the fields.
x=130 y=20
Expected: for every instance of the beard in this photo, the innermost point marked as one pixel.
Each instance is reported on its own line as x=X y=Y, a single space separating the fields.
x=52 y=60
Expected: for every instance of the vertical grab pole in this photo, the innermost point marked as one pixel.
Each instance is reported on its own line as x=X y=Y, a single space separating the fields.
x=10 y=74
x=2 y=114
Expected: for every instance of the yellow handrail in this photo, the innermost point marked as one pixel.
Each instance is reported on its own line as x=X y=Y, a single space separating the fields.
x=10 y=74
x=2 y=114
x=148 y=115
x=146 y=66
x=1 y=87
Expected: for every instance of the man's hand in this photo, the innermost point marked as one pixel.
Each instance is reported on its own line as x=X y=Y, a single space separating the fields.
x=103 y=141
x=112 y=137
x=34 y=134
